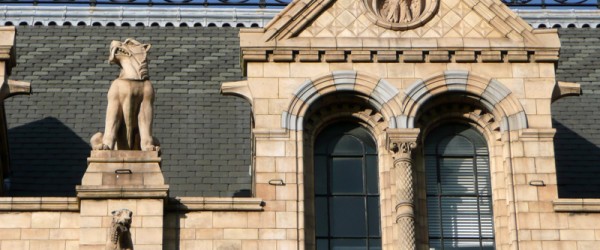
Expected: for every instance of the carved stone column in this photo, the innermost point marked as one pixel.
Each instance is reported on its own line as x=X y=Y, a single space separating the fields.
x=401 y=143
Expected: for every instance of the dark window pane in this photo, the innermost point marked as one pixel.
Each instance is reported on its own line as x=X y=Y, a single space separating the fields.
x=374 y=244
x=373 y=216
x=322 y=244
x=349 y=244
x=347 y=176
x=372 y=175
x=431 y=174
x=433 y=213
x=320 y=174
x=321 y=216
x=457 y=176
x=347 y=217
x=347 y=145
x=455 y=145
x=461 y=244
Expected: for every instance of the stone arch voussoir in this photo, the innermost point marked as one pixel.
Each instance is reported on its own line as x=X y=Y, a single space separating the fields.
x=380 y=94
x=491 y=93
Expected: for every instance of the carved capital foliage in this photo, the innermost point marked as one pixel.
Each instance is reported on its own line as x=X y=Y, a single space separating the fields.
x=401 y=142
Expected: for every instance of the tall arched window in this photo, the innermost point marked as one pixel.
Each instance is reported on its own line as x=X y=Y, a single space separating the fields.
x=346 y=189
x=459 y=198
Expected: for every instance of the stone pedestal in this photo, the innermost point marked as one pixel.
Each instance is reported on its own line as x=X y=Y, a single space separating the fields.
x=117 y=180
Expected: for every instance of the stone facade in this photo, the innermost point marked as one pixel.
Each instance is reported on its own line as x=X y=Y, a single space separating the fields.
x=323 y=61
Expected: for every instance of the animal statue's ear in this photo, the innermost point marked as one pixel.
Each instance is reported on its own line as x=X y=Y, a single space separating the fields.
x=147 y=47
x=113 y=212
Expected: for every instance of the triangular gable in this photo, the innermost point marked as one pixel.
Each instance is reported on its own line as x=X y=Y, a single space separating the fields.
x=478 y=19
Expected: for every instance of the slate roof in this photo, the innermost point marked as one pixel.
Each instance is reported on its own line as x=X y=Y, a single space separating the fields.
x=577 y=119
x=206 y=136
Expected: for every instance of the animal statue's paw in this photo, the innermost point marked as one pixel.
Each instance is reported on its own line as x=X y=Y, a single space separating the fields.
x=96 y=141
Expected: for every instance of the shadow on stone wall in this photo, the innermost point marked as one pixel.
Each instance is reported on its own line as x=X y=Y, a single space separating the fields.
x=47 y=159
x=577 y=164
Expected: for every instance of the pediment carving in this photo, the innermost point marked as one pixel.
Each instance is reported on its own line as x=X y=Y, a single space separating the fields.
x=400 y=14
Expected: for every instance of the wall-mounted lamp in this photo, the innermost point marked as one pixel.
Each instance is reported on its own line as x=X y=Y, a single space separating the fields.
x=276 y=182
x=537 y=183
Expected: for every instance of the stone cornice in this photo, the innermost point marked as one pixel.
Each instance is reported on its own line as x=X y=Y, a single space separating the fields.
x=215 y=204
x=121 y=192
x=39 y=204
x=434 y=55
x=577 y=205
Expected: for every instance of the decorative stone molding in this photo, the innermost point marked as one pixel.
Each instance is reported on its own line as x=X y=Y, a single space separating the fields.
x=577 y=205
x=492 y=94
x=564 y=89
x=439 y=55
x=401 y=14
x=216 y=204
x=379 y=93
x=402 y=142
x=39 y=204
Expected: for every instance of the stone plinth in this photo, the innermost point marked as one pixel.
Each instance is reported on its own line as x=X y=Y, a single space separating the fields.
x=122 y=179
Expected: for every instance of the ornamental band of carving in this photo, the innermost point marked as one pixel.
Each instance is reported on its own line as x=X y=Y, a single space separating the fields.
x=130 y=101
x=401 y=14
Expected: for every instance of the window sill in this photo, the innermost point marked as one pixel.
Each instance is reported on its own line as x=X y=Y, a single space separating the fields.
x=577 y=205
x=39 y=204
x=215 y=204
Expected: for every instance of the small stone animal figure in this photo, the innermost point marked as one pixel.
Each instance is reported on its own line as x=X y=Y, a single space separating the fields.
x=130 y=101
x=119 y=237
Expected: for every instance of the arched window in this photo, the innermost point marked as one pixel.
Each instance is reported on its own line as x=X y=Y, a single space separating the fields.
x=346 y=189
x=459 y=198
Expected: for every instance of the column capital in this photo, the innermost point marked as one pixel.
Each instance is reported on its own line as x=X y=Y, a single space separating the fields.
x=401 y=142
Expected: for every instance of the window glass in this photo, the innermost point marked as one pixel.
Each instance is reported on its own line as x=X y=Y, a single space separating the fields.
x=459 y=205
x=347 y=205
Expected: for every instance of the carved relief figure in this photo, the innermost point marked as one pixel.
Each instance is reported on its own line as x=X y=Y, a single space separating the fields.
x=119 y=237
x=130 y=101
x=399 y=11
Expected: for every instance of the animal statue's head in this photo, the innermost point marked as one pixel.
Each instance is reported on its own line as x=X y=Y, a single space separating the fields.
x=131 y=56
x=121 y=222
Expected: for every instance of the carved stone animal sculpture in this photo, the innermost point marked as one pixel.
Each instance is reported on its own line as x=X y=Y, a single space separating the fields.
x=130 y=101
x=119 y=237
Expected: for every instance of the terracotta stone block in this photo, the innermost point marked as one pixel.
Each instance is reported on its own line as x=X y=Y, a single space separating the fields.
x=287 y=244
x=254 y=69
x=276 y=70
x=209 y=234
x=152 y=221
x=270 y=148
x=539 y=87
x=584 y=221
x=116 y=204
x=544 y=235
x=311 y=70
x=587 y=245
x=47 y=244
x=272 y=234
x=10 y=234
x=196 y=244
x=230 y=220
x=199 y=220
x=286 y=219
x=267 y=245
x=14 y=244
x=72 y=245
x=525 y=70
x=148 y=247
x=148 y=236
x=94 y=208
x=15 y=220
x=91 y=221
x=262 y=220
x=493 y=70
x=240 y=234
x=227 y=244
x=69 y=220
x=249 y=244
x=264 y=87
x=574 y=234
x=531 y=245
x=187 y=233
x=64 y=234
x=149 y=207
x=90 y=236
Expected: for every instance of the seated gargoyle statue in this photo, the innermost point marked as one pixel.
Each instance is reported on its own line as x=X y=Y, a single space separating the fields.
x=119 y=237
x=130 y=101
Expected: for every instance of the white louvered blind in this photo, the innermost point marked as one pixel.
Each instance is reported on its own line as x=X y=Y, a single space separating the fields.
x=458 y=190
